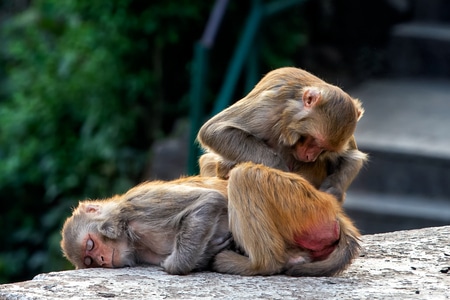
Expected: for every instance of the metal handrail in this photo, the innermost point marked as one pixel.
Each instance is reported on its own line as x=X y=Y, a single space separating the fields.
x=241 y=53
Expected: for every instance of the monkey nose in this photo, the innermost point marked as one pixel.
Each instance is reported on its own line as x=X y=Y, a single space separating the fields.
x=101 y=260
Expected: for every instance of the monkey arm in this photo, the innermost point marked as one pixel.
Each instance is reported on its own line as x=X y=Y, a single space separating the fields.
x=237 y=145
x=343 y=172
x=200 y=235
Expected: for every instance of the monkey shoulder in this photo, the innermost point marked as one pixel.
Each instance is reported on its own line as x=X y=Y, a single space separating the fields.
x=174 y=195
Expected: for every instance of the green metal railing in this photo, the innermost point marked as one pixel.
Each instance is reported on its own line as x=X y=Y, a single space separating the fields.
x=241 y=55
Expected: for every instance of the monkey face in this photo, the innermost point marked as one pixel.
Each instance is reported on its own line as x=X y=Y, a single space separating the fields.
x=98 y=251
x=307 y=149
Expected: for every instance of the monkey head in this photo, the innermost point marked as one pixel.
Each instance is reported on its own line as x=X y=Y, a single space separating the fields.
x=88 y=243
x=326 y=124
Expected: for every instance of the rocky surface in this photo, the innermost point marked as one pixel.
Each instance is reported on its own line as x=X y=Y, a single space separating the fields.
x=412 y=264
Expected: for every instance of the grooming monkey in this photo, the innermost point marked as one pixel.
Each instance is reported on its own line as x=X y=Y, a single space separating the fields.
x=277 y=218
x=292 y=121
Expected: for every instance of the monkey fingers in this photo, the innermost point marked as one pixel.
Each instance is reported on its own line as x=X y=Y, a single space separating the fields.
x=223 y=169
x=221 y=243
x=320 y=241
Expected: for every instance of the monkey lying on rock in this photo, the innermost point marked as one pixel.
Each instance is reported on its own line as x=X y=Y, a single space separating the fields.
x=279 y=221
x=179 y=225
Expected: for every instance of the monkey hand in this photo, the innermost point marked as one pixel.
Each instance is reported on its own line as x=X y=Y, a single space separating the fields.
x=320 y=241
x=223 y=169
x=282 y=166
x=273 y=159
x=178 y=263
x=328 y=187
x=110 y=229
x=175 y=264
x=220 y=243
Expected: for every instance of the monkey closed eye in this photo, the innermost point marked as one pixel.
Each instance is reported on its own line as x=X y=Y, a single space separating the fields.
x=89 y=245
x=87 y=261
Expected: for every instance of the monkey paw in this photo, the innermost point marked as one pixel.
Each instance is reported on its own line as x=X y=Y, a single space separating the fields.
x=228 y=261
x=297 y=261
x=109 y=230
x=174 y=266
x=221 y=243
x=297 y=258
x=332 y=190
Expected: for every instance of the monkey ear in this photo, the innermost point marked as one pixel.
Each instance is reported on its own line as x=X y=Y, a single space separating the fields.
x=360 y=113
x=359 y=109
x=311 y=96
x=90 y=208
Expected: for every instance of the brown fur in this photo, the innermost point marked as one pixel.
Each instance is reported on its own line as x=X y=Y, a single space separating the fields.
x=267 y=208
x=268 y=125
x=182 y=224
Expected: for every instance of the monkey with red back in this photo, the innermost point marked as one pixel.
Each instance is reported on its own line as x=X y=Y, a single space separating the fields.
x=284 y=225
x=292 y=121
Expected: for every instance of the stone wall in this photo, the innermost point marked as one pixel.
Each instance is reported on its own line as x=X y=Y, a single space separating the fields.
x=412 y=264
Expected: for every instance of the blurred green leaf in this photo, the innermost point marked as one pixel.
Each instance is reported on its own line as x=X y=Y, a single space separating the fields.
x=86 y=87
x=80 y=108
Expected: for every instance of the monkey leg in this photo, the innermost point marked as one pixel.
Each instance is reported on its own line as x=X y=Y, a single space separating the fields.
x=252 y=222
x=197 y=240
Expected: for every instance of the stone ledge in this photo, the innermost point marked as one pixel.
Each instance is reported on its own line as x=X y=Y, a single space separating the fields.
x=410 y=264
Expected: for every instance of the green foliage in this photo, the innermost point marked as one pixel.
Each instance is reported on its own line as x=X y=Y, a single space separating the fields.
x=282 y=38
x=88 y=86
x=79 y=108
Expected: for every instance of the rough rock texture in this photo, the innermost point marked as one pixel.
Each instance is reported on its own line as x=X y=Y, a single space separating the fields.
x=411 y=264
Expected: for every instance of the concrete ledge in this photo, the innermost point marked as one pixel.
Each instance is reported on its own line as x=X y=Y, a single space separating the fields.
x=410 y=264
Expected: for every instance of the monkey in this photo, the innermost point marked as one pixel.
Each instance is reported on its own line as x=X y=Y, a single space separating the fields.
x=292 y=121
x=284 y=225
x=179 y=225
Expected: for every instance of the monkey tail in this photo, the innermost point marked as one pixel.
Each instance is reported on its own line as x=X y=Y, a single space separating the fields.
x=347 y=249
